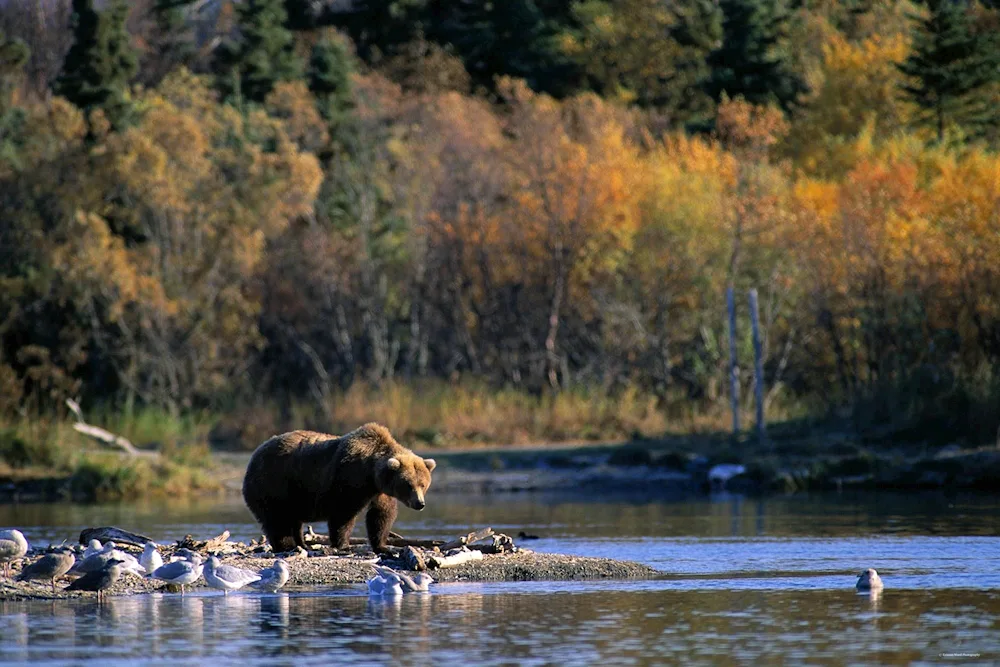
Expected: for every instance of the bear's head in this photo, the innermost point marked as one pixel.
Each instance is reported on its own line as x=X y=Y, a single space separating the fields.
x=406 y=478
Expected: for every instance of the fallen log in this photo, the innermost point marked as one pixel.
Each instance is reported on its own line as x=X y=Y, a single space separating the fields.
x=466 y=540
x=100 y=434
x=500 y=544
x=437 y=562
x=217 y=543
x=112 y=534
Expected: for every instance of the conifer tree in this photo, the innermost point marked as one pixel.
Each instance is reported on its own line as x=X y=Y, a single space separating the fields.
x=100 y=64
x=329 y=77
x=951 y=66
x=172 y=43
x=750 y=63
x=263 y=54
x=13 y=56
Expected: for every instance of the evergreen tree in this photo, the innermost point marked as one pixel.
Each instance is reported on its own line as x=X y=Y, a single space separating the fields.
x=13 y=56
x=100 y=63
x=329 y=77
x=698 y=31
x=750 y=63
x=951 y=66
x=263 y=54
x=172 y=43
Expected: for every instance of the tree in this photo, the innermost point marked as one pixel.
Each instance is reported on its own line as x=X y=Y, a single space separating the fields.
x=262 y=55
x=329 y=77
x=750 y=63
x=100 y=63
x=172 y=42
x=951 y=65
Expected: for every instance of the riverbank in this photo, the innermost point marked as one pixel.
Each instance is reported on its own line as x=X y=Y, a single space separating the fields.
x=321 y=570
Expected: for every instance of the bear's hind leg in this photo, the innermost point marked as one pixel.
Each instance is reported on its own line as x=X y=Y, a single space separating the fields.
x=381 y=514
x=341 y=526
x=282 y=536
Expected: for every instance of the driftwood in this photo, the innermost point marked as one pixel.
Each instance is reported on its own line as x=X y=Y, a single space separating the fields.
x=413 y=560
x=466 y=540
x=110 y=533
x=438 y=561
x=500 y=544
x=217 y=543
x=107 y=437
x=310 y=537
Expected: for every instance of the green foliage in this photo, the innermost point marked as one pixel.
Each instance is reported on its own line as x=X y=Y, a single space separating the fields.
x=263 y=53
x=329 y=78
x=951 y=67
x=172 y=43
x=100 y=64
x=751 y=62
x=13 y=56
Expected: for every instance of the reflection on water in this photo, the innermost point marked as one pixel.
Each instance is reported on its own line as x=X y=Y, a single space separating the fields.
x=745 y=581
x=504 y=624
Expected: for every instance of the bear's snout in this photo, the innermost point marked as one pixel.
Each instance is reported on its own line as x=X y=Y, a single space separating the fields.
x=417 y=503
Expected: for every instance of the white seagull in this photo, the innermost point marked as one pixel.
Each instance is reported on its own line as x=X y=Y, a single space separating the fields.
x=227 y=577
x=95 y=562
x=385 y=586
x=13 y=547
x=150 y=558
x=272 y=578
x=180 y=572
x=93 y=547
x=409 y=584
x=869 y=581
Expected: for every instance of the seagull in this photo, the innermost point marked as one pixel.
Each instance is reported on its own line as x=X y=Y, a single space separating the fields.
x=129 y=562
x=869 y=581
x=180 y=572
x=13 y=547
x=272 y=578
x=409 y=584
x=100 y=580
x=95 y=562
x=50 y=566
x=385 y=586
x=227 y=577
x=150 y=558
x=93 y=547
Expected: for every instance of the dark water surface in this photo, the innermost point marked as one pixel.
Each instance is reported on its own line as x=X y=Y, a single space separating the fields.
x=745 y=582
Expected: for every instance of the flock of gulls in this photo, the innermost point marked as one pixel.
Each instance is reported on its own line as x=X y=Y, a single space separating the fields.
x=101 y=565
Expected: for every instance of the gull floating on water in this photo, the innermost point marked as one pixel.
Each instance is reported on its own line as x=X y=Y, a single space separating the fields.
x=408 y=584
x=50 y=566
x=272 y=578
x=180 y=572
x=13 y=547
x=385 y=585
x=869 y=581
x=227 y=577
x=150 y=558
x=99 y=580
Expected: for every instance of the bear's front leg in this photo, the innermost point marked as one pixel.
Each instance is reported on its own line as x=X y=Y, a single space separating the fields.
x=381 y=513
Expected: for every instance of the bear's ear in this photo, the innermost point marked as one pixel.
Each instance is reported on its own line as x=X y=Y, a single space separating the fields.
x=430 y=463
x=393 y=463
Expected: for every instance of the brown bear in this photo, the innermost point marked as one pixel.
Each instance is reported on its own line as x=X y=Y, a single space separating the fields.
x=306 y=476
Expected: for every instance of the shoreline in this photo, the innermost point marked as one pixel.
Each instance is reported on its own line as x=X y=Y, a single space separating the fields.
x=310 y=573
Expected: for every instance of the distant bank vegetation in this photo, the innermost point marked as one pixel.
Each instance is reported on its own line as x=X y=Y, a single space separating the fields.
x=508 y=227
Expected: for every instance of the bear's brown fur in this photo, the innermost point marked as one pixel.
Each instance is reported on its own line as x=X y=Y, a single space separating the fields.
x=306 y=476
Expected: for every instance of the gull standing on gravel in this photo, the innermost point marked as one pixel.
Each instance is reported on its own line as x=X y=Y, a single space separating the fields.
x=93 y=547
x=150 y=558
x=385 y=585
x=50 y=566
x=99 y=581
x=272 y=578
x=180 y=572
x=408 y=584
x=129 y=562
x=227 y=577
x=13 y=547
x=94 y=562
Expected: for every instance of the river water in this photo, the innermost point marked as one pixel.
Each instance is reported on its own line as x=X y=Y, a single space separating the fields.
x=745 y=582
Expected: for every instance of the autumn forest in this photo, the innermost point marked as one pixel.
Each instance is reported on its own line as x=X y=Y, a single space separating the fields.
x=283 y=208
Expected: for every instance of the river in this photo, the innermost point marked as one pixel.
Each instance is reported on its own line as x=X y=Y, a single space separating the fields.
x=745 y=582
